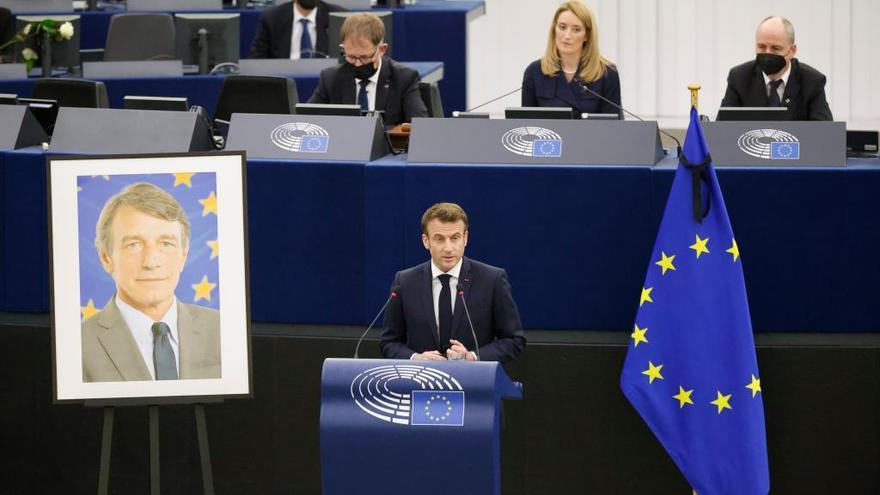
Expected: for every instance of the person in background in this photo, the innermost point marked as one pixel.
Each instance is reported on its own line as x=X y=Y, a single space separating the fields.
x=572 y=70
x=293 y=30
x=775 y=78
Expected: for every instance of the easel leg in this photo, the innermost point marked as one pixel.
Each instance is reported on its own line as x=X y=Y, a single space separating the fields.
x=204 y=450
x=106 y=443
x=154 y=450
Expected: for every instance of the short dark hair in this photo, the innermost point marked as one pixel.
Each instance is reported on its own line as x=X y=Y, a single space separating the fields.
x=445 y=212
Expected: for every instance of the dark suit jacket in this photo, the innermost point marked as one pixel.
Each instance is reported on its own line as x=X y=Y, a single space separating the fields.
x=410 y=326
x=7 y=29
x=276 y=27
x=539 y=90
x=397 y=93
x=804 y=93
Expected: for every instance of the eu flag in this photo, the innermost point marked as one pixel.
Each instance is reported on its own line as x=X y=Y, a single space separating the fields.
x=314 y=144
x=437 y=408
x=690 y=369
x=551 y=148
x=785 y=150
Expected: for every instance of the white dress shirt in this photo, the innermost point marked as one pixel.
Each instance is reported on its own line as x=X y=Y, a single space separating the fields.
x=371 y=93
x=141 y=328
x=296 y=32
x=781 y=88
x=436 y=287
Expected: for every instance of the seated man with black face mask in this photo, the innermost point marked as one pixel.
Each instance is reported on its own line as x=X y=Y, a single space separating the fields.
x=293 y=30
x=775 y=78
x=367 y=77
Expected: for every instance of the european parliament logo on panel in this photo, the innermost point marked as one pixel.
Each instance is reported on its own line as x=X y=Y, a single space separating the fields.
x=770 y=144
x=533 y=142
x=300 y=137
x=410 y=395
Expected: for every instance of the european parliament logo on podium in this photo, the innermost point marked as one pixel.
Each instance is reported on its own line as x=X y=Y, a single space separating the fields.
x=533 y=141
x=772 y=144
x=301 y=137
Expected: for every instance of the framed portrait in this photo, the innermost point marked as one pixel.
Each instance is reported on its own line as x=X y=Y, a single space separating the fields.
x=149 y=277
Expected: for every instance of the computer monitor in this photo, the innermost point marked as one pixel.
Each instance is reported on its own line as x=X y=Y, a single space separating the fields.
x=64 y=53
x=328 y=109
x=753 y=113
x=860 y=142
x=155 y=103
x=600 y=116
x=561 y=113
x=46 y=112
x=206 y=40
x=336 y=20
x=8 y=99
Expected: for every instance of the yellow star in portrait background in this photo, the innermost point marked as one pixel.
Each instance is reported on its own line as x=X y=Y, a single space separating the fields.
x=203 y=289
x=638 y=335
x=88 y=310
x=723 y=402
x=734 y=250
x=665 y=262
x=209 y=204
x=646 y=296
x=184 y=178
x=653 y=372
x=755 y=386
x=215 y=248
x=683 y=396
x=700 y=246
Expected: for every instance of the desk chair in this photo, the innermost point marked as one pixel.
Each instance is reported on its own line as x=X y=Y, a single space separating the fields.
x=256 y=94
x=72 y=92
x=430 y=94
x=140 y=37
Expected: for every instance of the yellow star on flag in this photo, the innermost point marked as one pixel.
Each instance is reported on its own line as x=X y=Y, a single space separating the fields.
x=723 y=402
x=755 y=386
x=215 y=248
x=653 y=372
x=700 y=246
x=734 y=250
x=184 y=178
x=209 y=204
x=638 y=335
x=646 y=296
x=683 y=396
x=665 y=262
x=89 y=310
x=203 y=289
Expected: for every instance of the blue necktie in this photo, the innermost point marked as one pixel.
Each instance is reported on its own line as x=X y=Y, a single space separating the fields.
x=362 y=95
x=305 y=41
x=773 y=99
x=163 y=354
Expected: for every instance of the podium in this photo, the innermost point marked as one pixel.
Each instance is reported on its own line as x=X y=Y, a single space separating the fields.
x=396 y=427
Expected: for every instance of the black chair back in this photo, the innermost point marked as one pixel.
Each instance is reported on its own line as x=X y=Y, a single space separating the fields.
x=72 y=92
x=256 y=94
x=430 y=93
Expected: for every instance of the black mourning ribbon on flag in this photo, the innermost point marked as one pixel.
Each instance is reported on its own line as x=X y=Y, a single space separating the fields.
x=699 y=172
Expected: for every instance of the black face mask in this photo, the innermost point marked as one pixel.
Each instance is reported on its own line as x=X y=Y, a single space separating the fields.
x=364 y=71
x=307 y=4
x=770 y=63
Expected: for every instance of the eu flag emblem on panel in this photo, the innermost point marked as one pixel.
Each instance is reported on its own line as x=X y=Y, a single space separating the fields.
x=690 y=369
x=784 y=150
x=550 y=148
x=314 y=144
x=437 y=408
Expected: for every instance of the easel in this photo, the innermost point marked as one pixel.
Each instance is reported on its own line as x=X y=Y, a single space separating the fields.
x=153 y=409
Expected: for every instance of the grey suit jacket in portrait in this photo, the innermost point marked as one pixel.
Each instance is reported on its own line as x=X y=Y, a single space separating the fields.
x=110 y=353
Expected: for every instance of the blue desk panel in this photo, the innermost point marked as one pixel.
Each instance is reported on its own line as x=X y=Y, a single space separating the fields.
x=326 y=238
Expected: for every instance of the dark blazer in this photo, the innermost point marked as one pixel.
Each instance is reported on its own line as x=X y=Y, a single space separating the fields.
x=539 y=90
x=7 y=28
x=397 y=93
x=804 y=93
x=276 y=27
x=410 y=326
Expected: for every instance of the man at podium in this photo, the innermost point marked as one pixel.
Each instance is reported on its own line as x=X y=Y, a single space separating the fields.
x=429 y=319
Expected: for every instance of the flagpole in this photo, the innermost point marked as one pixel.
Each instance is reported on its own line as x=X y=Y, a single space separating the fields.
x=694 y=89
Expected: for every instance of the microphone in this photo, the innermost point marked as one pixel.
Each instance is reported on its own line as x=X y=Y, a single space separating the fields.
x=460 y=289
x=615 y=105
x=481 y=105
x=394 y=291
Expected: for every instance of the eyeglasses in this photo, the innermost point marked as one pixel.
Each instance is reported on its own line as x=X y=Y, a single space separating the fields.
x=361 y=60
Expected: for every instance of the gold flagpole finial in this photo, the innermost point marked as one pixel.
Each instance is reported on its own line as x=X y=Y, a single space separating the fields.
x=695 y=97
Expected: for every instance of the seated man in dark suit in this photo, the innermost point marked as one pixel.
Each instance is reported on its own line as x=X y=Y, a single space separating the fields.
x=367 y=77
x=428 y=322
x=775 y=78
x=293 y=30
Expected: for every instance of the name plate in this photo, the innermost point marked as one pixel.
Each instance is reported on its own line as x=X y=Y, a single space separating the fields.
x=284 y=67
x=307 y=137
x=142 y=68
x=534 y=142
x=777 y=144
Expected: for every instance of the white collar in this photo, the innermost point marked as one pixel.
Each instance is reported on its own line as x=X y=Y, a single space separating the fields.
x=312 y=17
x=138 y=322
x=784 y=76
x=454 y=271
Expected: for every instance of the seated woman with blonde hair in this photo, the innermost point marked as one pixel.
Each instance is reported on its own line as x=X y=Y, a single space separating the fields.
x=572 y=69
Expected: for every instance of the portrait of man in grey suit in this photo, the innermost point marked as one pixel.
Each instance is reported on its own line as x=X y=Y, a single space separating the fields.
x=144 y=333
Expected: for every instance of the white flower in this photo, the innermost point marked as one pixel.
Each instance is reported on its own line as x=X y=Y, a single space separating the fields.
x=66 y=31
x=27 y=29
x=29 y=54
